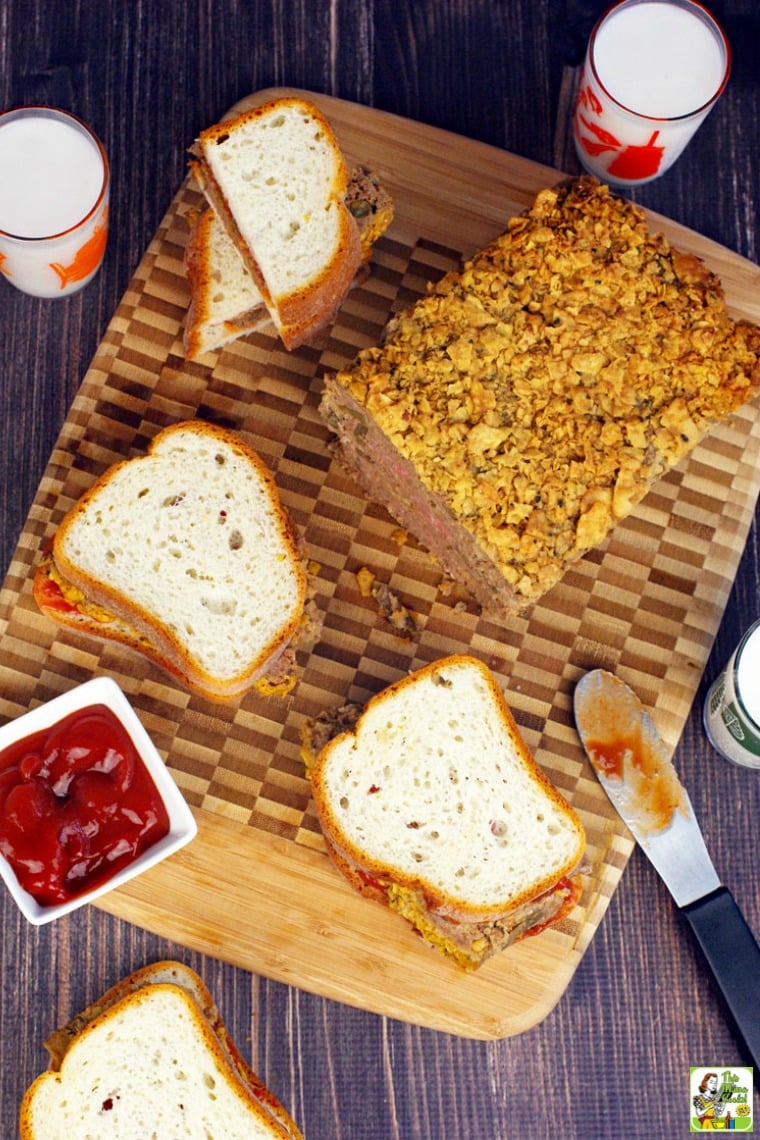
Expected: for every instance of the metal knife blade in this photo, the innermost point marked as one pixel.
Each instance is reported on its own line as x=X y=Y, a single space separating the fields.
x=632 y=764
x=634 y=768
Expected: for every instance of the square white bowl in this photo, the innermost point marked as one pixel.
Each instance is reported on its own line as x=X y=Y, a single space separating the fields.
x=182 y=825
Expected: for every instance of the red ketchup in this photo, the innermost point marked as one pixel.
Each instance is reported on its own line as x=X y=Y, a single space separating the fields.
x=76 y=805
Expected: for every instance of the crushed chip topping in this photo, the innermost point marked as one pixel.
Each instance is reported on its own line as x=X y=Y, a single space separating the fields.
x=541 y=389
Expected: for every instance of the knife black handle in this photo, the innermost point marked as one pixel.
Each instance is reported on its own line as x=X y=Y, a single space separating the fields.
x=734 y=958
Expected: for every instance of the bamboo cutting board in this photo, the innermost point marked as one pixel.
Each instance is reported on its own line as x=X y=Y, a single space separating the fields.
x=256 y=888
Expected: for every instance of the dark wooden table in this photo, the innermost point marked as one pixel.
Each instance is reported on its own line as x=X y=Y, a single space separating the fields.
x=613 y=1058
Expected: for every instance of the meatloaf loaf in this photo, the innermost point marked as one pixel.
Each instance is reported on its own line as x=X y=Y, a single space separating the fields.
x=524 y=405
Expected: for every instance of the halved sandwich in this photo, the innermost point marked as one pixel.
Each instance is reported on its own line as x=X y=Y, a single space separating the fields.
x=152 y=1057
x=276 y=178
x=186 y=555
x=432 y=804
x=225 y=301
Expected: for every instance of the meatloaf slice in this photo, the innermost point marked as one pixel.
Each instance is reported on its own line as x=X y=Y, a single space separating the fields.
x=469 y=944
x=523 y=406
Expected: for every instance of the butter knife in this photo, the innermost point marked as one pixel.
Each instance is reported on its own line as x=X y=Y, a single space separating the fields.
x=634 y=768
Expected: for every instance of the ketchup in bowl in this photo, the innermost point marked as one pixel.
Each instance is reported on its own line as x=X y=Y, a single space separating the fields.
x=77 y=804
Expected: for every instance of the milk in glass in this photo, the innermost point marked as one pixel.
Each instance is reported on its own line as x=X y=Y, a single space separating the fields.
x=53 y=201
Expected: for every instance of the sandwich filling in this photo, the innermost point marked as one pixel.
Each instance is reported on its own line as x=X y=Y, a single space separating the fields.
x=468 y=944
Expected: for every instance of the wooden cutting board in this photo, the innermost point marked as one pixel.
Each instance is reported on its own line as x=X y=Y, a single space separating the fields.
x=256 y=888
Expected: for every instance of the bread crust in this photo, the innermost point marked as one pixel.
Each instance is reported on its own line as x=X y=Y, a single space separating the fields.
x=362 y=870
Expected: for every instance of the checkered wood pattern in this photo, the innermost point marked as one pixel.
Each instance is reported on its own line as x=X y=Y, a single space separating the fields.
x=647 y=604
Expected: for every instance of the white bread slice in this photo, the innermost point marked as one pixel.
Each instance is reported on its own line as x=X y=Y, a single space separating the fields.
x=225 y=302
x=152 y=1059
x=178 y=974
x=434 y=791
x=190 y=546
x=277 y=179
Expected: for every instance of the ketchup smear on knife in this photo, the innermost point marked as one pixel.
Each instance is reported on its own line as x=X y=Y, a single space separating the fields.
x=76 y=805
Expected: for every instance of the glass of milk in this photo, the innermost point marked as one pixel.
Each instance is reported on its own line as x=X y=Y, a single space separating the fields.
x=54 y=185
x=653 y=71
x=731 y=714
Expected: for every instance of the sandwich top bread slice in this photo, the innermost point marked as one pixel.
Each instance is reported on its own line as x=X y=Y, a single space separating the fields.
x=432 y=804
x=527 y=403
x=152 y=1057
x=277 y=179
x=225 y=302
x=187 y=554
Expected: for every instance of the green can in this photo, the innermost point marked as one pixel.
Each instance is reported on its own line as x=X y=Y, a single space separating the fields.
x=731 y=714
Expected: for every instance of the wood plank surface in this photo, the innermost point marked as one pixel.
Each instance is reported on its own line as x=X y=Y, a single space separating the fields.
x=648 y=604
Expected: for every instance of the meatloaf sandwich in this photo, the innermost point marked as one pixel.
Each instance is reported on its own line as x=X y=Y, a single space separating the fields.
x=277 y=180
x=187 y=556
x=151 y=1057
x=225 y=301
x=431 y=803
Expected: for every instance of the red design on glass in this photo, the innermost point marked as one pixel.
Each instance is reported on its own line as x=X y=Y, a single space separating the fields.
x=588 y=99
x=630 y=162
x=605 y=137
x=638 y=161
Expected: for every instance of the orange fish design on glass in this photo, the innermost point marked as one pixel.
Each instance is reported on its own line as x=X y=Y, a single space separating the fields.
x=3 y=259
x=87 y=257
